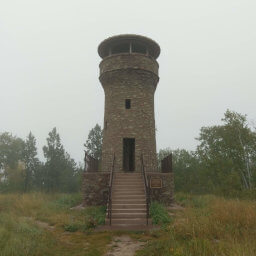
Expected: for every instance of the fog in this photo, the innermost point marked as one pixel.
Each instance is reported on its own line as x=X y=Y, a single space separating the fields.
x=49 y=65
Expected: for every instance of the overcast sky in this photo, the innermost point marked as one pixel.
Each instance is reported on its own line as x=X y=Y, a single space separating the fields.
x=49 y=64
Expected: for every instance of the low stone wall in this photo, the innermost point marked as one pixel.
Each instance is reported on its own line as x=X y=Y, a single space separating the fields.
x=165 y=194
x=95 y=188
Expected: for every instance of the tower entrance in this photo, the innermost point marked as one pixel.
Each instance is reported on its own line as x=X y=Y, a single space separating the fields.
x=128 y=154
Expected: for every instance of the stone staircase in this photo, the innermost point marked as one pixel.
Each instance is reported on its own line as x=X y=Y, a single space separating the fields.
x=129 y=208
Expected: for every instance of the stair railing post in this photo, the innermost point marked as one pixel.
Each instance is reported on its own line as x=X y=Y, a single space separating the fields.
x=146 y=186
x=110 y=191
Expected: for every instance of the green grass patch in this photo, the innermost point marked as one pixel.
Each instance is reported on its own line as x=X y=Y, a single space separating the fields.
x=67 y=201
x=159 y=214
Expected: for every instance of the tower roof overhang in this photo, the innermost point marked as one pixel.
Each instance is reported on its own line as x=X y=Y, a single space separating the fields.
x=109 y=42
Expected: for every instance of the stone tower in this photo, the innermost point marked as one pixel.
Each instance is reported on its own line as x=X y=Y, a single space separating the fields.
x=129 y=77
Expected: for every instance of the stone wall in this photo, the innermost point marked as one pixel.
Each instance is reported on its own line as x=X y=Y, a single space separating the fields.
x=134 y=77
x=165 y=194
x=129 y=60
x=95 y=188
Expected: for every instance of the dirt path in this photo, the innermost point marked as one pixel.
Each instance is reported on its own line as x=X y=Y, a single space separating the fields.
x=124 y=246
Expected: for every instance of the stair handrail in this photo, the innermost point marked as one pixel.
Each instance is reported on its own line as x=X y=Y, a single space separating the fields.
x=110 y=191
x=147 y=190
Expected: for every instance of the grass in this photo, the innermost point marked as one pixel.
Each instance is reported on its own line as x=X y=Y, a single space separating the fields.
x=159 y=214
x=207 y=226
x=21 y=235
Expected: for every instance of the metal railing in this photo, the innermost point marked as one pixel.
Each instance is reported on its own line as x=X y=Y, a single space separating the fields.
x=146 y=185
x=90 y=163
x=110 y=191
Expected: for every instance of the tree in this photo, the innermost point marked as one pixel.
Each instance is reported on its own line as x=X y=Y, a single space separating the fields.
x=11 y=162
x=31 y=162
x=55 y=155
x=185 y=167
x=93 y=144
x=11 y=150
x=14 y=178
x=60 y=168
x=228 y=152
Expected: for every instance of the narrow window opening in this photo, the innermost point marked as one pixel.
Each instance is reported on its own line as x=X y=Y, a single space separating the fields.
x=139 y=48
x=127 y=103
x=120 y=48
x=106 y=125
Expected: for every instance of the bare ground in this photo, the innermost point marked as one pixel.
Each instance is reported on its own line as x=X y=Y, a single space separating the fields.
x=124 y=246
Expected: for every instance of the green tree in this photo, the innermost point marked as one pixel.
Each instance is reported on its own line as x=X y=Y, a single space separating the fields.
x=93 y=144
x=60 y=168
x=11 y=162
x=14 y=178
x=31 y=162
x=228 y=153
x=186 y=169
x=11 y=150
x=55 y=155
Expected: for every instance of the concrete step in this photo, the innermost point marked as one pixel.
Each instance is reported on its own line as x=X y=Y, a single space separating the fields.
x=118 y=185
x=144 y=210
x=128 y=188
x=129 y=206
x=128 y=180
x=127 y=174
x=129 y=201
x=128 y=197
x=125 y=192
x=128 y=192
x=138 y=177
x=125 y=182
x=127 y=222
x=128 y=215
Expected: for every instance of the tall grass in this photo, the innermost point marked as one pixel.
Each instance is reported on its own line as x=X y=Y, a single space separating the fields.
x=22 y=235
x=208 y=226
x=159 y=214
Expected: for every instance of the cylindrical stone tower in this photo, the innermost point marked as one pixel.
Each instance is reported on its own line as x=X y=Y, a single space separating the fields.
x=129 y=76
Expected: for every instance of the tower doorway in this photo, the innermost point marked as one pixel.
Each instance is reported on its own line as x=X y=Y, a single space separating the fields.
x=129 y=154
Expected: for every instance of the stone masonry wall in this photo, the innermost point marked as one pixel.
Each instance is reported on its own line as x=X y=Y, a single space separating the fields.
x=165 y=194
x=133 y=77
x=95 y=188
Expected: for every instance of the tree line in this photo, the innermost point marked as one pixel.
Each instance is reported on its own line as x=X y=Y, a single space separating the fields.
x=21 y=170
x=223 y=163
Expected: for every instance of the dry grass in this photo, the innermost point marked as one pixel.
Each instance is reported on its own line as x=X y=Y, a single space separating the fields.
x=21 y=234
x=210 y=226
x=207 y=226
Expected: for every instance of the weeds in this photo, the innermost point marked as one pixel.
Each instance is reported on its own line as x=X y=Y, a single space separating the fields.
x=20 y=234
x=207 y=226
x=159 y=214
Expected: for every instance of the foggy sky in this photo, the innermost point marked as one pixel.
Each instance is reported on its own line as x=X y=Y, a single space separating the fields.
x=49 y=64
